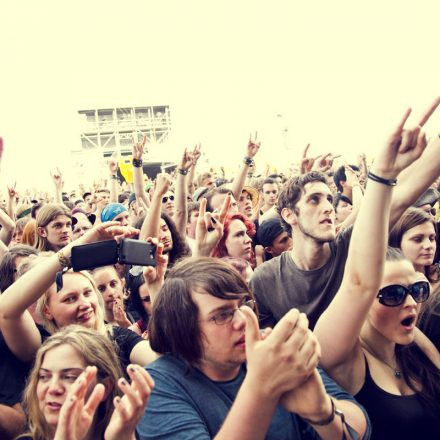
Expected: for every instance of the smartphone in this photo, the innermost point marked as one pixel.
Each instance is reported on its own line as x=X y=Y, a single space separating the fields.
x=138 y=253
x=89 y=256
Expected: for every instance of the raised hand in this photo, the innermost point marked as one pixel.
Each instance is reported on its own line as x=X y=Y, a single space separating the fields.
x=404 y=145
x=12 y=192
x=196 y=153
x=113 y=164
x=285 y=358
x=163 y=183
x=209 y=228
x=155 y=276
x=186 y=161
x=57 y=178
x=323 y=163
x=76 y=416
x=253 y=146
x=306 y=162
x=351 y=176
x=138 y=147
x=119 y=313
x=131 y=407
x=107 y=231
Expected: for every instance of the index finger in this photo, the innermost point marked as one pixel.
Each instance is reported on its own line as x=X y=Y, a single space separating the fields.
x=284 y=328
x=429 y=112
x=225 y=208
x=305 y=151
x=202 y=209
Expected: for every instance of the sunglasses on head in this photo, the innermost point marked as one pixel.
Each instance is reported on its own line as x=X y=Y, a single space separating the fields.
x=165 y=199
x=395 y=295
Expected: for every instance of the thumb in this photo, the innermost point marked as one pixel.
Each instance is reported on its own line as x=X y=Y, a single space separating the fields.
x=252 y=331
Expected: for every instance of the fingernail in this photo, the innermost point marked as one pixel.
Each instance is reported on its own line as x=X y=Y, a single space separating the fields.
x=123 y=381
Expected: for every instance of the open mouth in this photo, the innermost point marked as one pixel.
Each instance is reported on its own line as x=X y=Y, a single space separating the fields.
x=85 y=316
x=408 y=322
x=327 y=221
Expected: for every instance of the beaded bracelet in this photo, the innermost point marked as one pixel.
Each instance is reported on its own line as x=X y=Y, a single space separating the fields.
x=182 y=171
x=137 y=163
x=63 y=260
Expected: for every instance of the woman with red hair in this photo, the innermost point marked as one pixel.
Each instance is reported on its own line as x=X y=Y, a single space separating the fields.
x=237 y=238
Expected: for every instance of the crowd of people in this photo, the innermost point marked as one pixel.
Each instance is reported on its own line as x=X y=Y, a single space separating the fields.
x=278 y=306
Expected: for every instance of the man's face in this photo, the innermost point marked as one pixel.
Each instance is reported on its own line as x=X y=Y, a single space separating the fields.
x=104 y=196
x=281 y=244
x=270 y=193
x=314 y=216
x=208 y=182
x=245 y=204
x=81 y=226
x=123 y=218
x=89 y=199
x=343 y=210
x=58 y=232
x=223 y=345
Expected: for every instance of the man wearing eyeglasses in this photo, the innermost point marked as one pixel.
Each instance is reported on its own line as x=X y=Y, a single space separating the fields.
x=218 y=377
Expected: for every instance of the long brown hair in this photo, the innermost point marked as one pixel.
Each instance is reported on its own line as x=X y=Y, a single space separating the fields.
x=45 y=215
x=96 y=350
x=415 y=366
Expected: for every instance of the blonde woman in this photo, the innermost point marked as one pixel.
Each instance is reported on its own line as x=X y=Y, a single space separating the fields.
x=72 y=391
x=65 y=298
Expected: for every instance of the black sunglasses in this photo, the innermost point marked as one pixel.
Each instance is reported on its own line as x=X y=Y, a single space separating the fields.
x=395 y=295
x=165 y=199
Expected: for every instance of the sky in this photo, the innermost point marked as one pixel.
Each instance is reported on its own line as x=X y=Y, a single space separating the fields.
x=336 y=74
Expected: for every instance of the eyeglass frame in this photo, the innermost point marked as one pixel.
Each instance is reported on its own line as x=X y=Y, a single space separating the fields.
x=165 y=198
x=407 y=289
x=231 y=312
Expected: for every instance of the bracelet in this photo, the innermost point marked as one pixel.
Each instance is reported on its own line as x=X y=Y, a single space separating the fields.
x=327 y=420
x=378 y=179
x=248 y=161
x=137 y=163
x=113 y=177
x=182 y=171
x=63 y=260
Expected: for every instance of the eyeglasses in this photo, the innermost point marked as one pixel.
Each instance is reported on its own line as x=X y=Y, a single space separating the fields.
x=165 y=199
x=433 y=211
x=226 y=316
x=395 y=295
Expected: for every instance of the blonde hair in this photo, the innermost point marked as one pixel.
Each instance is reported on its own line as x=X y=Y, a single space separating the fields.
x=52 y=327
x=46 y=214
x=96 y=350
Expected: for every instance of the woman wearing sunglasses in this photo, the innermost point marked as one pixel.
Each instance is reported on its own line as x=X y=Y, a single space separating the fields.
x=368 y=331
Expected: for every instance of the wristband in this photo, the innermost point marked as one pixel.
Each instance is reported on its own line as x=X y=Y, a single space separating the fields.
x=137 y=163
x=378 y=179
x=325 y=421
x=248 y=161
x=63 y=260
x=114 y=177
x=182 y=171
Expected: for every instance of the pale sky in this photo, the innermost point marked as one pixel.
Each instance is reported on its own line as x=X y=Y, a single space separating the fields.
x=340 y=73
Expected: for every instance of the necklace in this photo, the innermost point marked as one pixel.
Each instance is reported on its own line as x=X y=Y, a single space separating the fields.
x=397 y=373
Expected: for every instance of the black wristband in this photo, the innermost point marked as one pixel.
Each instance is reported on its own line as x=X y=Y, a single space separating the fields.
x=114 y=176
x=137 y=163
x=182 y=171
x=378 y=179
x=248 y=161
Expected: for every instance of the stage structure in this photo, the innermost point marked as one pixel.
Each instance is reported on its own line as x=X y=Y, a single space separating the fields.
x=108 y=130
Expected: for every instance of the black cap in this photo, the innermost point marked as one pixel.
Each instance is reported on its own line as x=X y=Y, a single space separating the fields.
x=269 y=231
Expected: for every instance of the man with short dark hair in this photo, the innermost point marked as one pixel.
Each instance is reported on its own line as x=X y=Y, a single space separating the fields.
x=269 y=192
x=309 y=276
x=219 y=378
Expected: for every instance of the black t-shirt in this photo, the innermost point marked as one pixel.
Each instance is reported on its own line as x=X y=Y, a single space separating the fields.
x=125 y=341
x=13 y=372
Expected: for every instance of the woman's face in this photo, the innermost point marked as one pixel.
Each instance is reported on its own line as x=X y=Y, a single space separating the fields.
x=418 y=245
x=144 y=294
x=59 y=369
x=75 y=303
x=238 y=243
x=397 y=324
x=165 y=236
x=109 y=286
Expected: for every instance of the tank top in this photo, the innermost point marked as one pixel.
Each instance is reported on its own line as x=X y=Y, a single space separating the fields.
x=396 y=417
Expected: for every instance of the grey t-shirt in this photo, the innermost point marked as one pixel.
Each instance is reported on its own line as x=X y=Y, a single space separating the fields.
x=279 y=285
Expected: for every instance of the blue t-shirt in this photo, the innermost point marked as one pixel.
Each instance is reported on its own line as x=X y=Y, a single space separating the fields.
x=186 y=404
